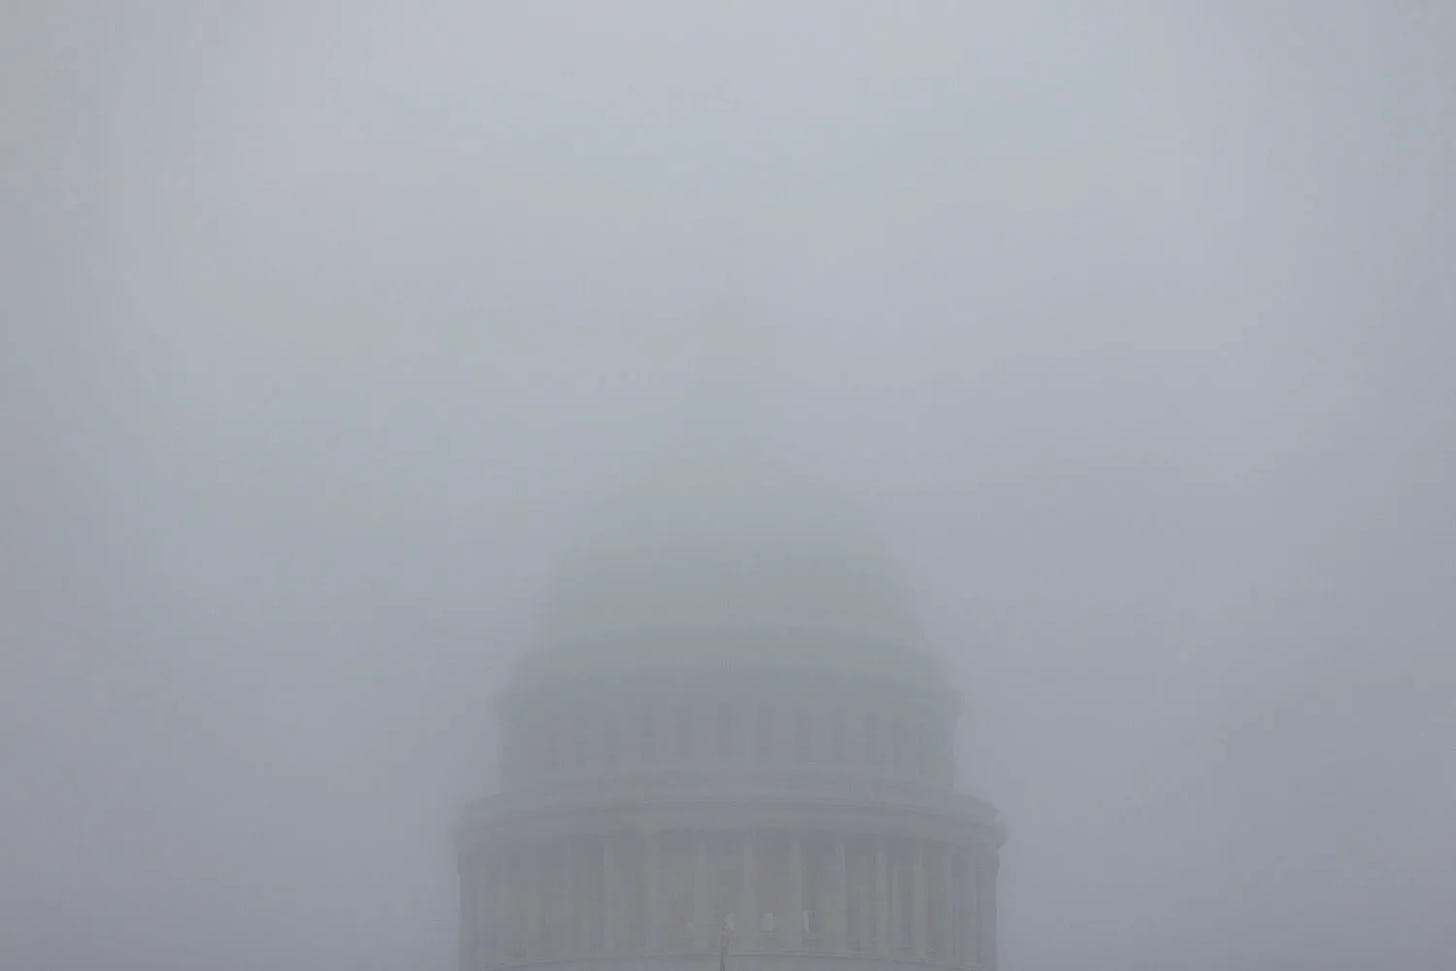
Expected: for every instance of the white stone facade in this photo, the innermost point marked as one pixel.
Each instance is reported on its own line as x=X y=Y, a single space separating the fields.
x=814 y=815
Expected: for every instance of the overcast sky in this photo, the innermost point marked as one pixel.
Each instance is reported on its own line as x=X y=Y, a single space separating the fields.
x=1133 y=323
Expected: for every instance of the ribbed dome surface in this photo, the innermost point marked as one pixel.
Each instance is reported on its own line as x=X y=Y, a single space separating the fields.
x=726 y=556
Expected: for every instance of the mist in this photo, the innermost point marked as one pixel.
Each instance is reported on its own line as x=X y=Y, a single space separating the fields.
x=325 y=328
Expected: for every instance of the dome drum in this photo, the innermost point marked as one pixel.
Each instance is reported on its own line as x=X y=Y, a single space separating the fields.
x=739 y=724
x=729 y=720
x=783 y=887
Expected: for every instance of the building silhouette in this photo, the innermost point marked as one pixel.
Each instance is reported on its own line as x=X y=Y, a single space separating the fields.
x=729 y=725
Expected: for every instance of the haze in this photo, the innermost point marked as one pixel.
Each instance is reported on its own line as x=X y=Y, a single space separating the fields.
x=1130 y=326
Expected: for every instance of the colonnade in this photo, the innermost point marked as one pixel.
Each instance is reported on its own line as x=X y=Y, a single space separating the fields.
x=554 y=742
x=640 y=893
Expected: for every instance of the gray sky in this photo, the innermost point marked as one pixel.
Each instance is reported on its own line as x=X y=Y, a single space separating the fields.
x=1130 y=322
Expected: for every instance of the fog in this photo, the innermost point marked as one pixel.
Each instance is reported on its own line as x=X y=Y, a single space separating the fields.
x=1129 y=327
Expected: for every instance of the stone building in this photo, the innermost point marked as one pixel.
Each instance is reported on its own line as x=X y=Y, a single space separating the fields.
x=729 y=729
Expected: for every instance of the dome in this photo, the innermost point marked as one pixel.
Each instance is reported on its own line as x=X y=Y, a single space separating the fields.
x=727 y=557
x=728 y=739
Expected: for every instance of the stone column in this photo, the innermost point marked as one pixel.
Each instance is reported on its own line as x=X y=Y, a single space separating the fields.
x=988 y=915
x=469 y=916
x=970 y=911
x=498 y=903
x=652 y=885
x=897 y=900
x=570 y=905
x=919 y=900
x=532 y=891
x=611 y=894
x=595 y=900
x=703 y=922
x=551 y=901
x=882 y=898
x=748 y=919
x=486 y=914
x=838 y=922
x=794 y=892
x=948 y=906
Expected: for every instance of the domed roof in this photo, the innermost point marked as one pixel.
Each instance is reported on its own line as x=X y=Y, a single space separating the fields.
x=725 y=557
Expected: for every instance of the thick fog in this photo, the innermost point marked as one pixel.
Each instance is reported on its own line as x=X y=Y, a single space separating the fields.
x=1129 y=326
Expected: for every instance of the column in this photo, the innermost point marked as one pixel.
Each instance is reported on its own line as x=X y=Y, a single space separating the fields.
x=499 y=902
x=570 y=904
x=510 y=910
x=485 y=915
x=748 y=919
x=883 y=894
x=533 y=901
x=469 y=913
x=703 y=922
x=988 y=914
x=896 y=900
x=546 y=902
x=970 y=911
x=611 y=893
x=948 y=906
x=794 y=892
x=595 y=899
x=652 y=883
x=919 y=899
x=838 y=929
x=560 y=899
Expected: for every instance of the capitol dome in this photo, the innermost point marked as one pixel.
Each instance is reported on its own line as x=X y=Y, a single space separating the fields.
x=728 y=733
x=728 y=556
